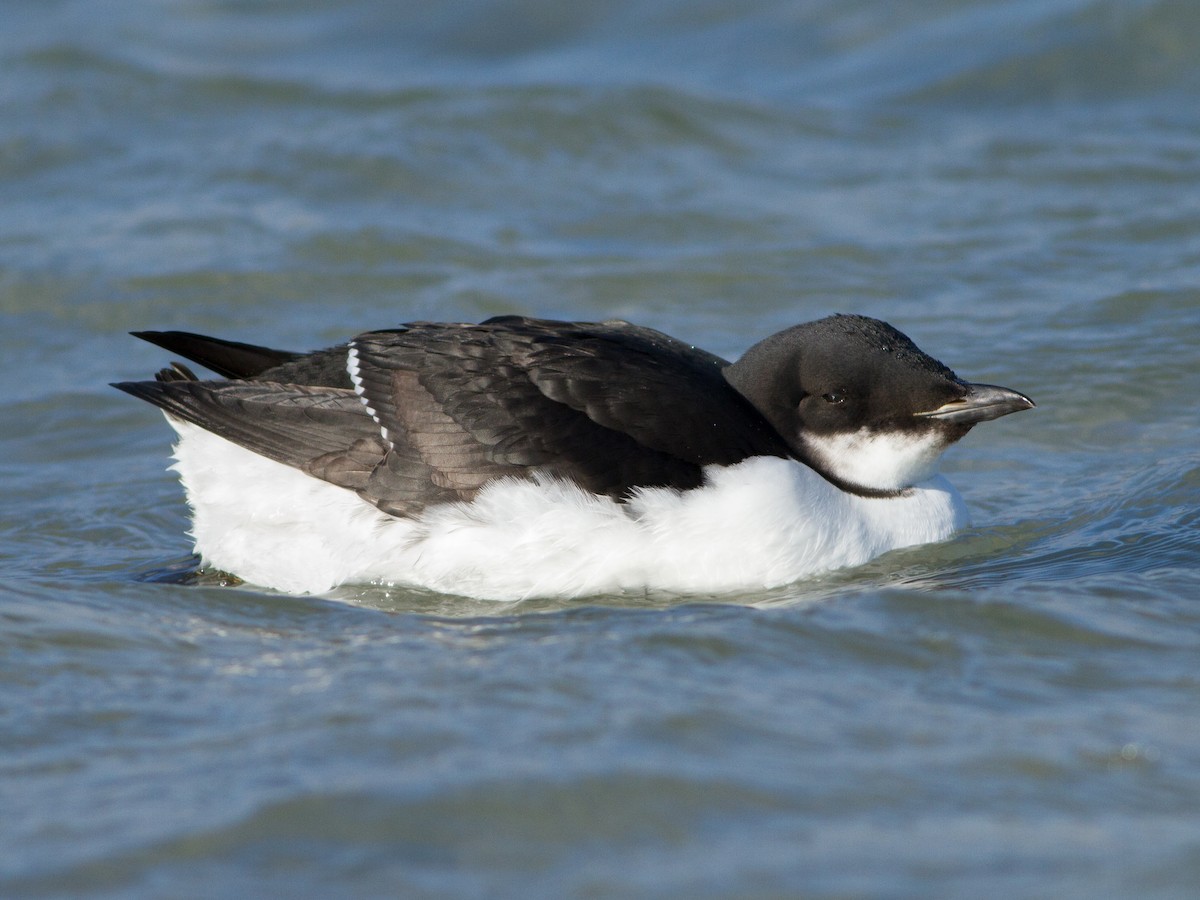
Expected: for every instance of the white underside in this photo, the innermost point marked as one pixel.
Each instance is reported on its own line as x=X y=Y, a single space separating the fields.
x=761 y=523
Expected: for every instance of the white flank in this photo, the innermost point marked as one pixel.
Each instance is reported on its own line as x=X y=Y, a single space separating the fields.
x=761 y=523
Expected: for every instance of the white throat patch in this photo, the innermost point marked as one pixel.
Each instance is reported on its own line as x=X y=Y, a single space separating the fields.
x=878 y=460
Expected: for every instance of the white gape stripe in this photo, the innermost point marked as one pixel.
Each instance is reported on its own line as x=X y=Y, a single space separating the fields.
x=352 y=369
x=762 y=523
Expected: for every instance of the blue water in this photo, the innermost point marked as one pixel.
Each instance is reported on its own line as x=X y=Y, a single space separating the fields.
x=1009 y=714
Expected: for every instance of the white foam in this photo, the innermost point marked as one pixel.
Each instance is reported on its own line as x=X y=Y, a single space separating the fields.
x=762 y=523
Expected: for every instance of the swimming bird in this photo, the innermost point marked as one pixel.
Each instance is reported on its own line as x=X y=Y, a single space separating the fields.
x=525 y=457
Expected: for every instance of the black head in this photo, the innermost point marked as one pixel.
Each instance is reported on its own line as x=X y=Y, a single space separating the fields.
x=859 y=402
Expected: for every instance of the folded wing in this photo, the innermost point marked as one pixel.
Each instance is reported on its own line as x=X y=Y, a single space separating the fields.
x=436 y=411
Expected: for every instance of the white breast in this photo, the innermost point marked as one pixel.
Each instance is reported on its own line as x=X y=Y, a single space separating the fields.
x=761 y=523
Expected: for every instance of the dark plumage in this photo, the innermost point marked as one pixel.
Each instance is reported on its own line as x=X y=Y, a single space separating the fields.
x=461 y=405
x=429 y=412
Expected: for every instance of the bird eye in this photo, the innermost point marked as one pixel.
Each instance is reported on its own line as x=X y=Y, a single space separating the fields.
x=834 y=397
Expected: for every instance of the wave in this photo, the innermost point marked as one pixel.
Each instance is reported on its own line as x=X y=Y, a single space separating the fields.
x=815 y=55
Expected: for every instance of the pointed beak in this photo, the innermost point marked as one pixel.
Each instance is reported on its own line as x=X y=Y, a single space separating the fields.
x=981 y=403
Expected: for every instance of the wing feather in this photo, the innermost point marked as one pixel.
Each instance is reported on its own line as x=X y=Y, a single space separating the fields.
x=610 y=406
x=429 y=413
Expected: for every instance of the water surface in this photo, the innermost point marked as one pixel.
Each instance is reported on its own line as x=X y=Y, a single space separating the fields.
x=1013 y=184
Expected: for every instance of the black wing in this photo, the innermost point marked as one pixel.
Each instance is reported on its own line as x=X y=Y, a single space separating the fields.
x=610 y=406
x=325 y=432
x=446 y=408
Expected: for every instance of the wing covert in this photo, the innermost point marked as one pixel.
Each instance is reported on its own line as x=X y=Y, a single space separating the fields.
x=609 y=405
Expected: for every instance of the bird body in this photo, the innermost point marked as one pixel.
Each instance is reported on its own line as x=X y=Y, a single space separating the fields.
x=523 y=457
